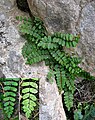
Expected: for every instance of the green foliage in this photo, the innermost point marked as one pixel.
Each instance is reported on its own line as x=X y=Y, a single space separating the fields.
x=10 y=89
x=78 y=115
x=41 y=46
x=89 y=113
x=68 y=98
x=10 y=96
x=51 y=76
x=29 y=91
x=33 y=54
x=57 y=40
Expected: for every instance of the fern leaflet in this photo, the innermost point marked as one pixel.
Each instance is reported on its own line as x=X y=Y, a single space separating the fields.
x=29 y=91
x=10 y=89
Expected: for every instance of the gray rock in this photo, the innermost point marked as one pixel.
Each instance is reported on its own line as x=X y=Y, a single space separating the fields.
x=73 y=16
x=57 y=15
x=2 y=17
x=51 y=107
x=1 y=74
x=7 y=4
x=15 y=62
x=86 y=28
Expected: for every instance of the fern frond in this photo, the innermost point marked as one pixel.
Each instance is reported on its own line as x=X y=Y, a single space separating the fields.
x=51 y=76
x=30 y=88
x=68 y=98
x=60 y=77
x=59 y=56
x=22 y=19
x=67 y=40
x=46 y=43
x=10 y=89
x=90 y=113
x=34 y=54
x=70 y=85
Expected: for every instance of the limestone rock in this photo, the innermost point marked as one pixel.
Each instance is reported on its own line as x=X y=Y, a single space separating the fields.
x=72 y=16
x=58 y=15
x=8 y=4
x=86 y=28
x=51 y=107
x=1 y=74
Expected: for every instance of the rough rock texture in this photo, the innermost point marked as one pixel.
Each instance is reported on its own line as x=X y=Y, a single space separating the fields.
x=73 y=16
x=13 y=65
x=1 y=74
x=51 y=107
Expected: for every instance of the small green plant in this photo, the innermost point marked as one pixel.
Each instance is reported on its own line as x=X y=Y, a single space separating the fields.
x=29 y=99
x=10 y=89
x=78 y=112
x=78 y=115
x=51 y=48
x=89 y=112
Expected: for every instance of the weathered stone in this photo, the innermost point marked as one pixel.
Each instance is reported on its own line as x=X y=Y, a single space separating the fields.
x=7 y=4
x=57 y=15
x=1 y=74
x=51 y=107
x=15 y=62
x=73 y=16
x=86 y=46
x=12 y=63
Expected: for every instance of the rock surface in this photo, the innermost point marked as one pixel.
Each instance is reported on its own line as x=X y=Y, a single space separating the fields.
x=51 y=107
x=73 y=16
x=13 y=65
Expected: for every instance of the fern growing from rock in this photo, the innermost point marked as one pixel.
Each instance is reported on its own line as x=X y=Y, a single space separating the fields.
x=50 y=48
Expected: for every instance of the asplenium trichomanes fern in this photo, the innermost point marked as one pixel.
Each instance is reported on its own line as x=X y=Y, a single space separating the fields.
x=89 y=113
x=29 y=99
x=86 y=112
x=50 y=48
x=10 y=92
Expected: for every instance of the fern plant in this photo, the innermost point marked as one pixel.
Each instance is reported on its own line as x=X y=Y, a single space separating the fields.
x=41 y=46
x=85 y=111
x=78 y=115
x=10 y=89
x=90 y=113
x=29 y=91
